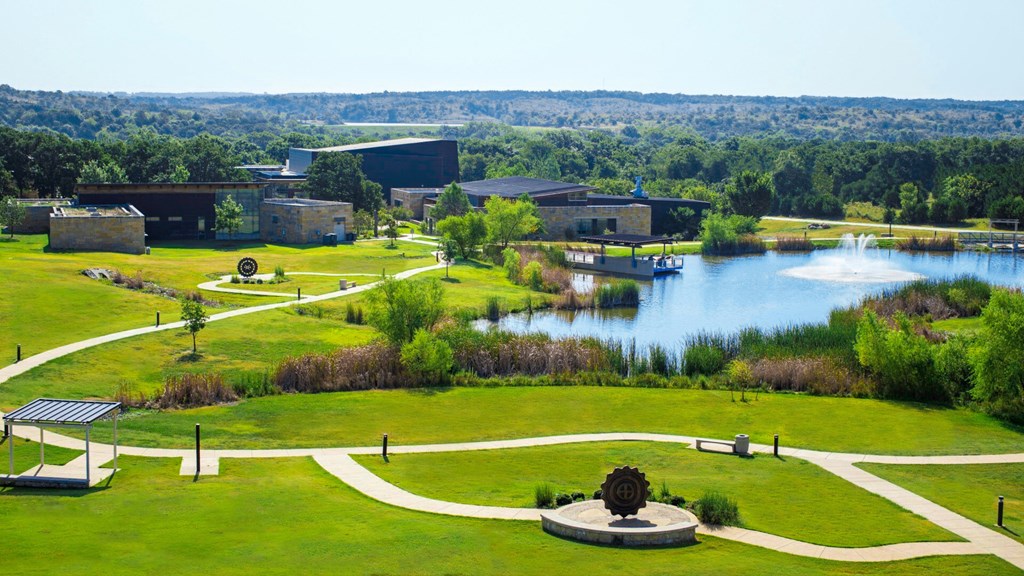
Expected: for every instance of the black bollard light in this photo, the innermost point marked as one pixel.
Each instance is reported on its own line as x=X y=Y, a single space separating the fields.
x=298 y=295
x=776 y=445
x=18 y=357
x=384 y=448
x=158 y=319
x=999 y=513
x=197 y=449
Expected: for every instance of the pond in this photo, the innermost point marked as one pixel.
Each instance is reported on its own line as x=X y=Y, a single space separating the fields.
x=724 y=294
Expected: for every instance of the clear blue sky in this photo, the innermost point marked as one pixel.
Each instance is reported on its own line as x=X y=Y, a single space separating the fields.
x=969 y=49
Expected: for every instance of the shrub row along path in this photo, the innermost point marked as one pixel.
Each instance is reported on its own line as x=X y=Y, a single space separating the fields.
x=339 y=463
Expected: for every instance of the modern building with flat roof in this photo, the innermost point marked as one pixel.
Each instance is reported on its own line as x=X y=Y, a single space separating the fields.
x=182 y=211
x=399 y=163
x=569 y=210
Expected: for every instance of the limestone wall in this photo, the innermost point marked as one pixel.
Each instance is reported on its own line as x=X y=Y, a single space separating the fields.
x=37 y=215
x=413 y=200
x=99 y=233
x=303 y=222
x=561 y=221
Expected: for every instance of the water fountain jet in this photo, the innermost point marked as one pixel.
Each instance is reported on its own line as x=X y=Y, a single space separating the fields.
x=853 y=261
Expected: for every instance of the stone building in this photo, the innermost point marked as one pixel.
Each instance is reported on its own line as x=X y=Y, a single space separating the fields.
x=303 y=221
x=37 y=215
x=110 y=228
x=413 y=198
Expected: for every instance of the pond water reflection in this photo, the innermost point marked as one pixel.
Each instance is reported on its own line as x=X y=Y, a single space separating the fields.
x=726 y=294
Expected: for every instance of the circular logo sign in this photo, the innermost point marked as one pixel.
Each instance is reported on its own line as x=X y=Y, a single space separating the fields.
x=625 y=491
x=247 y=267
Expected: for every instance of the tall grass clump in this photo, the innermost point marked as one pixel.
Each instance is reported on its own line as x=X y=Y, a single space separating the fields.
x=618 y=293
x=793 y=244
x=373 y=366
x=193 y=390
x=544 y=496
x=354 y=314
x=717 y=509
x=945 y=243
x=707 y=353
x=962 y=296
x=279 y=272
x=493 y=307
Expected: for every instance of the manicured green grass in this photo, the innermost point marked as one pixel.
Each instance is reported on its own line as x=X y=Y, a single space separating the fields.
x=788 y=497
x=972 y=324
x=251 y=344
x=272 y=516
x=26 y=455
x=48 y=302
x=468 y=414
x=968 y=489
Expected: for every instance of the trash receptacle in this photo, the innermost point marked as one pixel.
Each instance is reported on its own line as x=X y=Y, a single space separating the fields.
x=350 y=236
x=742 y=444
x=343 y=284
x=330 y=239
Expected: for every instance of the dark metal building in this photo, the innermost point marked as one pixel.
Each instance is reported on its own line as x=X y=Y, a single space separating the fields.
x=181 y=211
x=399 y=163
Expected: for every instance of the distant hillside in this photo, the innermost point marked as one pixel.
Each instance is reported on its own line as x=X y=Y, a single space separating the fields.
x=88 y=115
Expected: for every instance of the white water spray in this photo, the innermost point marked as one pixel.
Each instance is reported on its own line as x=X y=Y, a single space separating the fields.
x=854 y=261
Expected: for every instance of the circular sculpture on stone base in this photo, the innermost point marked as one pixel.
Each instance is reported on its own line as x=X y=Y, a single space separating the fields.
x=248 y=267
x=655 y=525
x=625 y=491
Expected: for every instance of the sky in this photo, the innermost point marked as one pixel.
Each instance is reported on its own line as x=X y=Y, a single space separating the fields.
x=964 y=49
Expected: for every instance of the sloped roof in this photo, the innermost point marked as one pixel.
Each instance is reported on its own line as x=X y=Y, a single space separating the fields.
x=52 y=411
x=515 y=186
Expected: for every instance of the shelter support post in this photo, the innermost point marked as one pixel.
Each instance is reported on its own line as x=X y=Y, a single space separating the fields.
x=42 y=446
x=115 y=441
x=87 y=430
x=10 y=451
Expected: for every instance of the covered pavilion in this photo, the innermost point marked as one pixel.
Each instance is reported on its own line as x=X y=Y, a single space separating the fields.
x=45 y=413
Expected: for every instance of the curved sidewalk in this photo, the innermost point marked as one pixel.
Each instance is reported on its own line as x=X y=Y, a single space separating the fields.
x=26 y=364
x=339 y=463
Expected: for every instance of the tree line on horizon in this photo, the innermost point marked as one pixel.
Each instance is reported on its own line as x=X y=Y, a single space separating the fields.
x=716 y=117
x=942 y=181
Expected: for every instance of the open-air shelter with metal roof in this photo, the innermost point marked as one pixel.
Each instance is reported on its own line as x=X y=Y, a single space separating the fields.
x=645 y=267
x=46 y=413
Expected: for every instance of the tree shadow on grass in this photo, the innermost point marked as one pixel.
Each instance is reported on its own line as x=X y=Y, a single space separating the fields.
x=190 y=357
x=451 y=280
x=431 y=391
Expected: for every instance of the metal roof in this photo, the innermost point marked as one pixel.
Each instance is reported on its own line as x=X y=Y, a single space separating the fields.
x=51 y=411
x=369 y=145
x=515 y=186
x=633 y=240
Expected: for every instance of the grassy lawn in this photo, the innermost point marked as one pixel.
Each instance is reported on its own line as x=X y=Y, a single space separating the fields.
x=972 y=324
x=268 y=517
x=791 y=497
x=246 y=346
x=469 y=414
x=26 y=455
x=968 y=489
x=48 y=302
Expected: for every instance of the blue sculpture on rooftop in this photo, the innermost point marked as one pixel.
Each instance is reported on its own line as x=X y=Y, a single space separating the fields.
x=639 y=192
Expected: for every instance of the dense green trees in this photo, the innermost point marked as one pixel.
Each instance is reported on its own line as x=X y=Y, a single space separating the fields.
x=750 y=194
x=467 y=232
x=11 y=213
x=998 y=357
x=339 y=176
x=229 y=216
x=452 y=202
x=509 y=221
x=401 y=308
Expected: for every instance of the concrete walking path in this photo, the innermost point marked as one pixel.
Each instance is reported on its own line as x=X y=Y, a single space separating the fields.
x=339 y=463
x=26 y=364
x=910 y=227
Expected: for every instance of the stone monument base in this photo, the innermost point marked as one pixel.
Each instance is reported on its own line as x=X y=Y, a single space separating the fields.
x=654 y=525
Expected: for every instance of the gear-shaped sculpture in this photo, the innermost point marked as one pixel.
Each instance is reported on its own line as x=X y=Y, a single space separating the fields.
x=625 y=491
x=247 y=267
